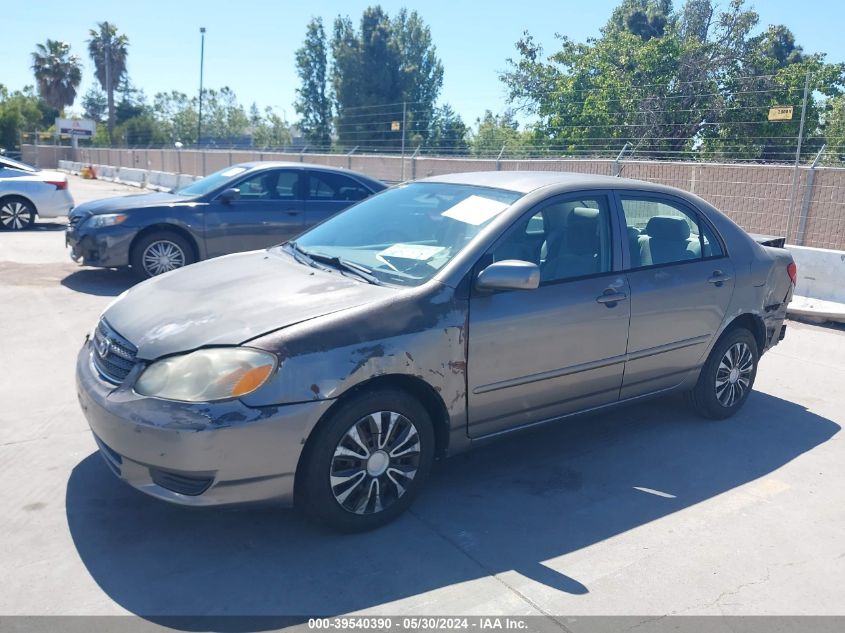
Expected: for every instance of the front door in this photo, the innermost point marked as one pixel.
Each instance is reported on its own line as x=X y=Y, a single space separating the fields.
x=270 y=210
x=681 y=284
x=538 y=354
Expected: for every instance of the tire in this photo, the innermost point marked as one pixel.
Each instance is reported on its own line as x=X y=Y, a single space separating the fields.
x=727 y=377
x=351 y=493
x=16 y=214
x=160 y=252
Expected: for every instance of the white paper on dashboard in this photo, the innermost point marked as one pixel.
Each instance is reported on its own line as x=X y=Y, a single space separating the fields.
x=475 y=210
x=420 y=252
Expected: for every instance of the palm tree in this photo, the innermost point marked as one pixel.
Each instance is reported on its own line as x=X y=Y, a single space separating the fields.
x=57 y=73
x=108 y=50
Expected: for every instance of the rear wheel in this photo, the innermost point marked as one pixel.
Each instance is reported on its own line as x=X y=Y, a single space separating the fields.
x=368 y=461
x=728 y=375
x=159 y=253
x=16 y=214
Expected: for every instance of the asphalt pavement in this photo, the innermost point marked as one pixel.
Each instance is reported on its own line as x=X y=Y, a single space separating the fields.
x=644 y=511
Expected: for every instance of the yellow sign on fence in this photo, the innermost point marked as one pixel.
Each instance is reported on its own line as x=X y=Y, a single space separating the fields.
x=780 y=113
x=395 y=126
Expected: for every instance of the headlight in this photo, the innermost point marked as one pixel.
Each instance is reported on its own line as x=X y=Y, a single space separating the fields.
x=207 y=374
x=107 y=219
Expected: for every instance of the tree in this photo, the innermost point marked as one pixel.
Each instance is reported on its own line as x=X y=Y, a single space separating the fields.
x=22 y=111
x=177 y=115
x=493 y=132
x=448 y=133
x=269 y=130
x=57 y=73
x=835 y=129
x=94 y=104
x=313 y=103
x=385 y=71
x=690 y=83
x=108 y=50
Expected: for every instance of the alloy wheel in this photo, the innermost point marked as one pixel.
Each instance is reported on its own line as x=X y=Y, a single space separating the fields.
x=733 y=376
x=161 y=257
x=15 y=216
x=375 y=462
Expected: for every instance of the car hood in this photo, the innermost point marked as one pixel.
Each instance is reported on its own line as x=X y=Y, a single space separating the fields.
x=125 y=203
x=230 y=300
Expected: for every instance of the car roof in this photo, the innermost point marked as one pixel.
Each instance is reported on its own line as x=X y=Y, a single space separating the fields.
x=528 y=181
x=264 y=164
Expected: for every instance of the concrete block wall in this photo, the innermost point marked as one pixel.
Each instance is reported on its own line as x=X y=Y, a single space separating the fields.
x=760 y=198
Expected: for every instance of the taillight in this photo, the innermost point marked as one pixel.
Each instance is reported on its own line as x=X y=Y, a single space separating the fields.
x=792 y=271
x=58 y=184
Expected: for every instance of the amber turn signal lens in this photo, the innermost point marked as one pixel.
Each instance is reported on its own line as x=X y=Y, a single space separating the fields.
x=251 y=380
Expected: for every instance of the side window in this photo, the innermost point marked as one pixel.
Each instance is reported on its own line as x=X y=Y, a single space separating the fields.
x=328 y=186
x=565 y=239
x=271 y=185
x=660 y=232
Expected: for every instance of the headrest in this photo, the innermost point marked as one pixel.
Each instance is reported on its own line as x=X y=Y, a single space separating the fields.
x=667 y=227
x=583 y=213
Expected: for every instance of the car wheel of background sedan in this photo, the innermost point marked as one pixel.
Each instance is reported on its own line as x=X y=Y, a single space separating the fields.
x=16 y=214
x=160 y=253
x=367 y=461
x=728 y=375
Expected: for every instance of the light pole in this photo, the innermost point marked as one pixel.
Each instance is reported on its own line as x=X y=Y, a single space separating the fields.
x=202 y=61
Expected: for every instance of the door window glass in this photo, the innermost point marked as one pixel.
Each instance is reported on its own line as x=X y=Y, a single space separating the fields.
x=565 y=239
x=329 y=186
x=271 y=185
x=660 y=232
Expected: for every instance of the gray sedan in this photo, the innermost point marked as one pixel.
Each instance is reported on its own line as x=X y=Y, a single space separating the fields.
x=239 y=208
x=333 y=370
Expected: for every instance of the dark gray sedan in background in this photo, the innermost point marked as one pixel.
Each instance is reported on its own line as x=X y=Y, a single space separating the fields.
x=239 y=208
x=333 y=369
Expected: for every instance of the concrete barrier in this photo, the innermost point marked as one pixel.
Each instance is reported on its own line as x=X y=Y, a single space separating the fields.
x=821 y=273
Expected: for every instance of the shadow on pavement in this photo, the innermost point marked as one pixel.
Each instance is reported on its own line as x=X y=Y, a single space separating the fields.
x=42 y=226
x=103 y=282
x=507 y=506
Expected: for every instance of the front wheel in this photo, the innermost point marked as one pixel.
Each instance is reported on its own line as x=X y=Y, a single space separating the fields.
x=727 y=377
x=159 y=253
x=368 y=461
x=16 y=214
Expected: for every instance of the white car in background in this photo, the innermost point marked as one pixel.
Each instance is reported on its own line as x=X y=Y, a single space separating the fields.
x=27 y=192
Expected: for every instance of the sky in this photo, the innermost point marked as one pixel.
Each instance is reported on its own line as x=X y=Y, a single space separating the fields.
x=250 y=46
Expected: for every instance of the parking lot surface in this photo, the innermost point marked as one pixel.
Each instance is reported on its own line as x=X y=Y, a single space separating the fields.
x=646 y=511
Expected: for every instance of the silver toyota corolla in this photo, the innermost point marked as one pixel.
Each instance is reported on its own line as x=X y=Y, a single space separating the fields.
x=333 y=370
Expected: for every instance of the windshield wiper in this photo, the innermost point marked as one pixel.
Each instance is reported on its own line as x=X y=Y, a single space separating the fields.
x=337 y=262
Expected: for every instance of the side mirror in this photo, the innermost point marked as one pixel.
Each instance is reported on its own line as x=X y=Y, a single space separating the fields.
x=230 y=195
x=510 y=274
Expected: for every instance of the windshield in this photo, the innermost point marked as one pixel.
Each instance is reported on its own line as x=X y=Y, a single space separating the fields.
x=406 y=234
x=211 y=182
x=13 y=164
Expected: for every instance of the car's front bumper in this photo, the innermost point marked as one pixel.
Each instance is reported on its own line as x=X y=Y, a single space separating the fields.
x=197 y=454
x=107 y=247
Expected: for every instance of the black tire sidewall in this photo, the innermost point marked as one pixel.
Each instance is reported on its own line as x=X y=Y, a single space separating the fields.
x=704 y=396
x=136 y=256
x=29 y=207
x=315 y=493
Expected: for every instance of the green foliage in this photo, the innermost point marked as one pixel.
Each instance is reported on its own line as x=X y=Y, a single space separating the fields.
x=20 y=112
x=448 y=133
x=94 y=105
x=494 y=132
x=313 y=103
x=376 y=69
x=675 y=84
x=108 y=50
x=57 y=73
x=835 y=129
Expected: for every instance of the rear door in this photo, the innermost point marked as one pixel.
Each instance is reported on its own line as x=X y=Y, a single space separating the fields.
x=270 y=210
x=681 y=284
x=330 y=192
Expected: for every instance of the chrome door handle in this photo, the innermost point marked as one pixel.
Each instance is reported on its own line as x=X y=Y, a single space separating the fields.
x=718 y=278
x=611 y=298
